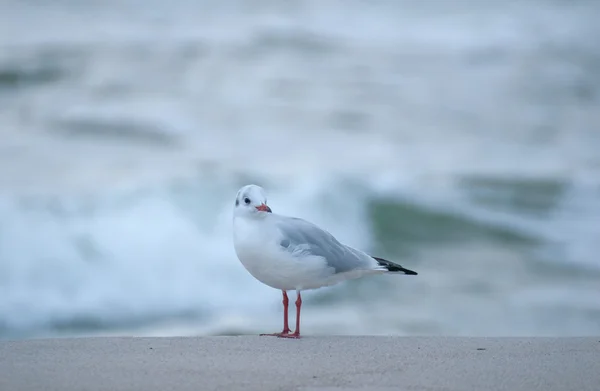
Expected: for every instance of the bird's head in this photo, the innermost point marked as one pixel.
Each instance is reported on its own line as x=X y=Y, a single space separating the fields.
x=251 y=200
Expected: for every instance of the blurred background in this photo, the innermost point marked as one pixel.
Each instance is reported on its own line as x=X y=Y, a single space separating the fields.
x=459 y=138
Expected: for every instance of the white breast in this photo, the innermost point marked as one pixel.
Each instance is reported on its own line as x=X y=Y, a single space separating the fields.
x=256 y=244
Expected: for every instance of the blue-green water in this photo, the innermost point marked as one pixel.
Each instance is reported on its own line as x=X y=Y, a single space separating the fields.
x=461 y=141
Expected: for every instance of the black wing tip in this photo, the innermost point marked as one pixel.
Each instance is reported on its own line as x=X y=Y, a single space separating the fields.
x=394 y=267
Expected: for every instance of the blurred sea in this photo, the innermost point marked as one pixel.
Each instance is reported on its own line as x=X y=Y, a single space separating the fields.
x=460 y=138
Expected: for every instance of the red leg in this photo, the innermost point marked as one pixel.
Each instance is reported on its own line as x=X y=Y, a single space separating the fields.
x=296 y=333
x=286 y=328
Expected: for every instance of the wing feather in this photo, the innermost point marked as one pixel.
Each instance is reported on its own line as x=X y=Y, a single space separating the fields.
x=301 y=237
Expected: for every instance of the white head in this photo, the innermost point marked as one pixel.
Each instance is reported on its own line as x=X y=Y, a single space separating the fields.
x=251 y=200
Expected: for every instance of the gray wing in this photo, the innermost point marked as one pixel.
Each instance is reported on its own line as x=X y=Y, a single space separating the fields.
x=301 y=237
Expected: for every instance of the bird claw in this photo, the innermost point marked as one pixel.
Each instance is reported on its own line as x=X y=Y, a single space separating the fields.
x=283 y=334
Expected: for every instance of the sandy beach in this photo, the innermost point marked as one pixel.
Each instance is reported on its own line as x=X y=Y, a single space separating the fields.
x=312 y=363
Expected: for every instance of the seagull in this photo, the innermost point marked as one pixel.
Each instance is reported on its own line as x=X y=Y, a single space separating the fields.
x=289 y=253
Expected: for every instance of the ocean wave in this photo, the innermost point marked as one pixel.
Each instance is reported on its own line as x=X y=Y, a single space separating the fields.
x=151 y=254
x=460 y=143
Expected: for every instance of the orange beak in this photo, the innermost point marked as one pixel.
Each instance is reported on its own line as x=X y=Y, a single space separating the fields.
x=263 y=208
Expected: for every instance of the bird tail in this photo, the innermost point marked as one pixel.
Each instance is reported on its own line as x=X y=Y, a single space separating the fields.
x=393 y=267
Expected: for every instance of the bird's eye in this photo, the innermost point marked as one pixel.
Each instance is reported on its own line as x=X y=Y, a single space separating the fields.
x=247 y=200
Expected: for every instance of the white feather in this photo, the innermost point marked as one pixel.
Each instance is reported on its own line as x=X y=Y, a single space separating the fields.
x=292 y=254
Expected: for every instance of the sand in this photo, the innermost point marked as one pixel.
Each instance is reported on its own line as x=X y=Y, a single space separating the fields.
x=309 y=364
